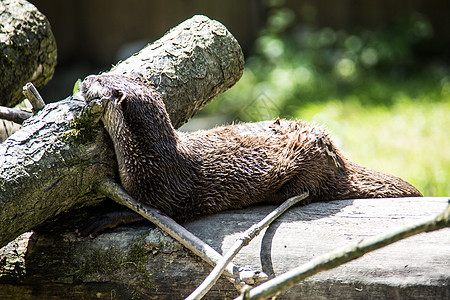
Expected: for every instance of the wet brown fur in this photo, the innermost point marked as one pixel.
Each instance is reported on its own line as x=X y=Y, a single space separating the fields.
x=191 y=174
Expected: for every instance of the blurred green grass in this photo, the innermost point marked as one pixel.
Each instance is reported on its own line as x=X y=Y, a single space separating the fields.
x=384 y=106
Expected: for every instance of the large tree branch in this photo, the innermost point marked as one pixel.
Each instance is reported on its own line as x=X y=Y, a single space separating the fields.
x=190 y=65
x=27 y=49
x=57 y=159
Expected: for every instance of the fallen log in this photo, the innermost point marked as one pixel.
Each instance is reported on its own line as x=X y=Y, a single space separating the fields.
x=55 y=162
x=143 y=262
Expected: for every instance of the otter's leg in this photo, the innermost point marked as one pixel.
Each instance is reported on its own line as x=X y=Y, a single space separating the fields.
x=108 y=221
x=292 y=188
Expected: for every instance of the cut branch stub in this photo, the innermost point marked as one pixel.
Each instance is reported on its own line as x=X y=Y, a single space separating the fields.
x=32 y=94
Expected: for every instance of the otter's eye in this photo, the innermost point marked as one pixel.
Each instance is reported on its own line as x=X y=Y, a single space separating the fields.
x=115 y=93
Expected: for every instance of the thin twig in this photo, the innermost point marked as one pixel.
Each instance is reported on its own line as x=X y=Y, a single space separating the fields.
x=19 y=116
x=340 y=256
x=114 y=191
x=248 y=235
x=32 y=94
x=13 y=114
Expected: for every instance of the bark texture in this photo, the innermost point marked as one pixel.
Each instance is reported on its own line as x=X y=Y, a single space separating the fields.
x=190 y=65
x=27 y=49
x=143 y=263
x=55 y=161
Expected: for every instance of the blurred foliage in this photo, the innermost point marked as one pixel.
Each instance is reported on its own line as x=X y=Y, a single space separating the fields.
x=386 y=107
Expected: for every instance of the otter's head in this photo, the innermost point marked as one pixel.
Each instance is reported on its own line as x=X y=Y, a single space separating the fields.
x=128 y=103
x=135 y=118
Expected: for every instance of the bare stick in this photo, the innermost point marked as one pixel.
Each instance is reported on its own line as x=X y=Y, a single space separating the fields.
x=13 y=114
x=342 y=255
x=113 y=190
x=248 y=235
x=32 y=94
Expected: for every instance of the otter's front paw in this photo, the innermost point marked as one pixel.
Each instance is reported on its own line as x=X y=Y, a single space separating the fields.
x=108 y=221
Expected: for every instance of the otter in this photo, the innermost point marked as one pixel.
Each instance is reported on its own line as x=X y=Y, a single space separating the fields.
x=186 y=175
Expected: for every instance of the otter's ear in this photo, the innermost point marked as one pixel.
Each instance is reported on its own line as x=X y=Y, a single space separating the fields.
x=120 y=97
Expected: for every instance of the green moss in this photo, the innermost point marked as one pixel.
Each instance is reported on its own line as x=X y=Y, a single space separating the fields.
x=128 y=267
x=138 y=256
x=81 y=130
x=100 y=261
x=138 y=253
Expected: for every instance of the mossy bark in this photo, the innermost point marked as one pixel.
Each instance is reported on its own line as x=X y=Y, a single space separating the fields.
x=27 y=50
x=55 y=161
x=129 y=263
